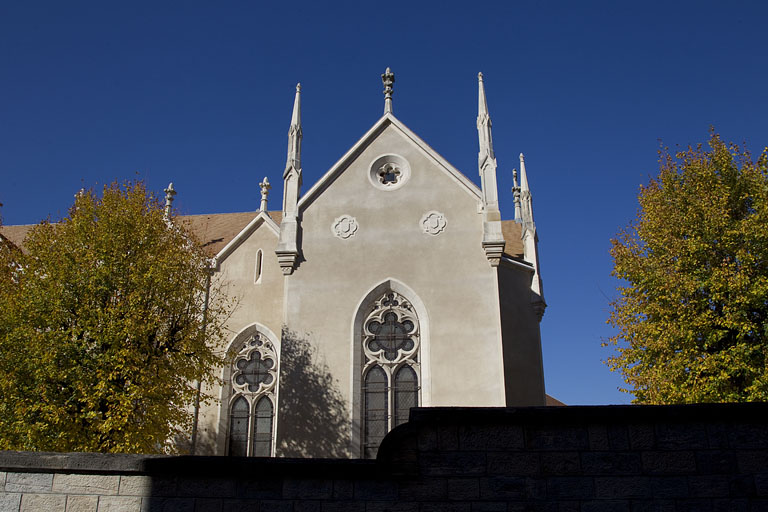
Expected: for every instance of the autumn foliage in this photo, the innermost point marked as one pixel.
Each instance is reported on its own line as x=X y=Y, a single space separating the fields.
x=692 y=313
x=101 y=329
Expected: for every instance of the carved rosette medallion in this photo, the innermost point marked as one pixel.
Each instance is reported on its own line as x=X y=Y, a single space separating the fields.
x=433 y=223
x=344 y=227
x=391 y=332
x=255 y=367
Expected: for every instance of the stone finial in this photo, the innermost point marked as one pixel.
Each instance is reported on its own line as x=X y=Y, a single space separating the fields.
x=170 y=192
x=516 y=196
x=388 y=79
x=265 y=186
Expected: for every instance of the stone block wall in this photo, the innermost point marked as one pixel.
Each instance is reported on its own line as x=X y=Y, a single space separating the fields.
x=612 y=458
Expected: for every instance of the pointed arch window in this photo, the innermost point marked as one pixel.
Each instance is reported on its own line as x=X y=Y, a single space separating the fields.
x=252 y=398
x=390 y=370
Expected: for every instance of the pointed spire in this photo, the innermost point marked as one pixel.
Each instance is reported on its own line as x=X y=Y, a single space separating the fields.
x=523 y=174
x=525 y=196
x=170 y=193
x=483 y=123
x=265 y=186
x=388 y=79
x=294 y=134
x=287 y=247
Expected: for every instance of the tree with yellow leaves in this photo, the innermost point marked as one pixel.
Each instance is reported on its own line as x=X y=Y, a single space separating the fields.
x=102 y=328
x=692 y=312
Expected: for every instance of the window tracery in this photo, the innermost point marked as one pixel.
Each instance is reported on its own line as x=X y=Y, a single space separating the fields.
x=252 y=400
x=390 y=368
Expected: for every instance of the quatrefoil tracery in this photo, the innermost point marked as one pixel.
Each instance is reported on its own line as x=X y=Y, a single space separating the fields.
x=255 y=368
x=391 y=332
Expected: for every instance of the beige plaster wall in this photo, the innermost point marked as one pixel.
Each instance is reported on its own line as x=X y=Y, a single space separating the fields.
x=523 y=370
x=252 y=302
x=448 y=272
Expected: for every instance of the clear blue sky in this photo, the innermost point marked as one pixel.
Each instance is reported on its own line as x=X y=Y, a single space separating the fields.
x=199 y=93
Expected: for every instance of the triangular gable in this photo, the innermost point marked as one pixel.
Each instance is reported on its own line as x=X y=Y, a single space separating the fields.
x=387 y=120
x=261 y=218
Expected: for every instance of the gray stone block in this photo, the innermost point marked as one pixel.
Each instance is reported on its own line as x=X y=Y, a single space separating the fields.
x=611 y=463
x=513 y=464
x=709 y=486
x=158 y=504
x=598 y=437
x=681 y=436
x=463 y=489
x=135 y=485
x=618 y=438
x=445 y=507
x=391 y=506
x=622 y=487
x=641 y=436
x=453 y=463
x=342 y=506
x=715 y=462
x=560 y=463
x=10 y=502
x=238 y=505
x=606 y=506
x=503 y=488
x=86 y=484
x=570 y=488
x=43 y=502
x=28 y=482
x=378 y=490
x=119 y=504
x=489 y=506
x=208 y=505
x=556 y=438
x=663 y=462
x=670 y=487
x=343 y=489
x=82 y=503
x=275 y=506
x=423 y=490
x=752 y=461
x=307 y=488
x=206 y=487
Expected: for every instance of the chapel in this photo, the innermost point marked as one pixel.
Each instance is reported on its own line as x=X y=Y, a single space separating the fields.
x=390 y=283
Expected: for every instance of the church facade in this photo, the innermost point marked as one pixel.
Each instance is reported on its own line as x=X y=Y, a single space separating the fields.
x=392 y=282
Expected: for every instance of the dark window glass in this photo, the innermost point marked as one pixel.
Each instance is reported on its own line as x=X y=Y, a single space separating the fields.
x=238 y=428
x=262 y=431
x=375 y=419
x=406 y=393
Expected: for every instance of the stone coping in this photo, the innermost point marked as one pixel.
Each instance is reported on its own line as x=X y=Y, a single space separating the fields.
x=108 y=463
x=397 y=443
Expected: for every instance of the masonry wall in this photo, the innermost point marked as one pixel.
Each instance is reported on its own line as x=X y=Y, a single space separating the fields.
x=613 y=458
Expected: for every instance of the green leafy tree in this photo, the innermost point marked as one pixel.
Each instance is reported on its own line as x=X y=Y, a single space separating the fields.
x=692 y=317
x=102 y=333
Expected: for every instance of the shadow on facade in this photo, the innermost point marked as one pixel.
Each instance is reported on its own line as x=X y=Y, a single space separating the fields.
x=313 y=416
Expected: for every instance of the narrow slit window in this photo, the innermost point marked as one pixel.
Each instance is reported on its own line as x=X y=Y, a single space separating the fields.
x=257 y=269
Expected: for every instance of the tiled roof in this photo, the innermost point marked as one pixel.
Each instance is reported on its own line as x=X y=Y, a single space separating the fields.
x=512 y=232
x=214 y=231
x=16 y=234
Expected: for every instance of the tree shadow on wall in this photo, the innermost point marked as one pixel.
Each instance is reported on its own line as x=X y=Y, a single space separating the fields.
x=313 y=419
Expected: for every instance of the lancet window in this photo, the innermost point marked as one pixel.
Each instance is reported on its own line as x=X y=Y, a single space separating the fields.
x=390 y=373
x=252 y=401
